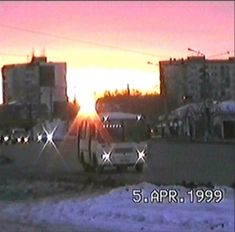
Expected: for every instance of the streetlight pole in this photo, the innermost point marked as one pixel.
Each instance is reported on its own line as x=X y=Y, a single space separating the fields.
x=165 y=99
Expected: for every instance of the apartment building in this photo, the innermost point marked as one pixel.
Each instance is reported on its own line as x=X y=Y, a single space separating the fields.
x=196 y=79
x=35 y=83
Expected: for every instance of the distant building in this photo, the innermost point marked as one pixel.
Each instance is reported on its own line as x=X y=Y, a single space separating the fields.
x=35 y=83
x=196 y=79
x=189 y=120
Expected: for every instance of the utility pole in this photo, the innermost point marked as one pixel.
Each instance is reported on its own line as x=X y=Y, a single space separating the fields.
x=234 y=113
x=51 y=104
x=163 y=92
x=128 y=89
x=151 y=63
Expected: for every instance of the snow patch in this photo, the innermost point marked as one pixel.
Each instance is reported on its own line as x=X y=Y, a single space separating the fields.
x=115 y=211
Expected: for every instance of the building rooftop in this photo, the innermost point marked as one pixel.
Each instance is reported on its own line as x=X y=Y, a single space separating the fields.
x=196 y=59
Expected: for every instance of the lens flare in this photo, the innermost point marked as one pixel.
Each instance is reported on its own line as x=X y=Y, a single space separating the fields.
x=50 y=137
x=39 y=137
x=87 y=104
x=106 y=157
x=50 y=141
x=139 y=117
x=106 y=118
x=141 y=155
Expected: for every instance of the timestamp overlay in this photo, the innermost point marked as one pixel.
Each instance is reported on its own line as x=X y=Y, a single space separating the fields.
x=174 y=195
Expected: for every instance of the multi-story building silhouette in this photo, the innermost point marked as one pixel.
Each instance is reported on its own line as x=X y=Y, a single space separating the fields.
x=35 y=83
x=196 y=79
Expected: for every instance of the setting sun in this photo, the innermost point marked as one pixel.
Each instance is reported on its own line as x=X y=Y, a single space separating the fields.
x=86 y=101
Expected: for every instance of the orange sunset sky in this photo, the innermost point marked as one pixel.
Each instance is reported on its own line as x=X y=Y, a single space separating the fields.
x=108 y=44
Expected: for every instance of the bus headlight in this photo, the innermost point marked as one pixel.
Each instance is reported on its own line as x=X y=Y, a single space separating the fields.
x=39 y=138
x=141 y=155
x=139 y=117
x=106 y=157
x=50 y=137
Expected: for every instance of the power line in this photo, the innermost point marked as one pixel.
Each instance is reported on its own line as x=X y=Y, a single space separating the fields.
x=11 y=54
x=221 y=54
x=79 y=40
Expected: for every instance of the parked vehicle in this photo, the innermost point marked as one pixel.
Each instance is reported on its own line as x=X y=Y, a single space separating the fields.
x=4 y=138
x=19 y=135
x=41 y=137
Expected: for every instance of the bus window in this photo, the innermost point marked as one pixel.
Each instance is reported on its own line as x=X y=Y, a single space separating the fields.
x=135 y=131
x=125 y=130
x=114 y=129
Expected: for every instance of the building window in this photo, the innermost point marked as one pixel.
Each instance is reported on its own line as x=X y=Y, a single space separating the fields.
x=47 y=76
x=222 y=93
x=227 y=81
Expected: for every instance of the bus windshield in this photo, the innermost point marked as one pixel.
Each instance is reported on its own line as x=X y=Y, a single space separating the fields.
x=126 y=130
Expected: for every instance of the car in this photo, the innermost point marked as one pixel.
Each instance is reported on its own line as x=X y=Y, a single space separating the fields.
x=19 y=135
x=4 y=139
x=42 y=137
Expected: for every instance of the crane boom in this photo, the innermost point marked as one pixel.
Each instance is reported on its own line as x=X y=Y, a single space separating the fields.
x=198 y=52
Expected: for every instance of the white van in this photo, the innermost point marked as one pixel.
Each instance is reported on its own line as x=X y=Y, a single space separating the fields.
x=114 y=139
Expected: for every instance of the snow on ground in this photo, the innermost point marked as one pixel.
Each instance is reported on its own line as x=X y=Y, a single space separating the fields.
x=115 y=211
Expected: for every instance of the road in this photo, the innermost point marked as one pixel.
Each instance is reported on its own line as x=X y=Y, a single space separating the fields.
x=172 y=163
x=168 y=162
x=29 y=174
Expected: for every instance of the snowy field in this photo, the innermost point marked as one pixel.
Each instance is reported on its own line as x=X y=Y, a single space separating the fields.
x=115 y=211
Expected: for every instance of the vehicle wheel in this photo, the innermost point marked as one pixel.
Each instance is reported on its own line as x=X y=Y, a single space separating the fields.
x=84 y=165
x=139 y=167
x=81 y=158
x=91 y=167
x=118 y=168
x=78 y=147
x=95 y=163
x=99 y=169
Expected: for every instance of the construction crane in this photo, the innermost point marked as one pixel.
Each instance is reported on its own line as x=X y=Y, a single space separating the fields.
x=210 y=56
x=198 y=52
x=151 y=63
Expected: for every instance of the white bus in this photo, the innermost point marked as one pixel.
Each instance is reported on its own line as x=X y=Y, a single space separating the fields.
x=115 y=139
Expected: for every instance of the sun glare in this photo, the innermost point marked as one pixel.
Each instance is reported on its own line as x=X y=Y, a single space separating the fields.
x=84 y=82
x=86 y=101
